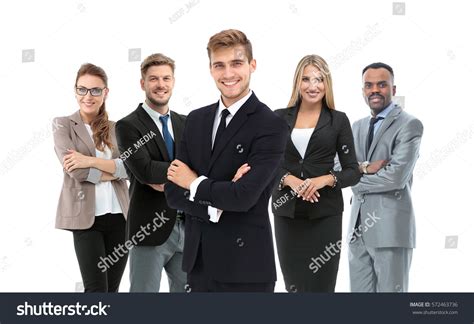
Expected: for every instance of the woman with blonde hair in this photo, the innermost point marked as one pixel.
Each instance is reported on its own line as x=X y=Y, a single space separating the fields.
x=94 y=197
x=307 y=203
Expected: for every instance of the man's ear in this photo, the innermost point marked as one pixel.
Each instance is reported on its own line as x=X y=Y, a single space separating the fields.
x=394 y=90
x=253 y=65
x=142 y=84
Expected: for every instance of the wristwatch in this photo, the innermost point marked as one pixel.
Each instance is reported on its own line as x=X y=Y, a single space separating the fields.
x=364 y=165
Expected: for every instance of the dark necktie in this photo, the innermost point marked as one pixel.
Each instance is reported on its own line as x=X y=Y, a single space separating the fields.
x=373 y=121
x=221 y=127
x=167 y=137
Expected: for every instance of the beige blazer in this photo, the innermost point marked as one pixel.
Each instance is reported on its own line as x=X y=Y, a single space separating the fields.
x=76 y=207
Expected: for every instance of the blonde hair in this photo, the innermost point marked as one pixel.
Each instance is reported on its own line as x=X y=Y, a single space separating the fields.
x=319 y=63
x=156 y=59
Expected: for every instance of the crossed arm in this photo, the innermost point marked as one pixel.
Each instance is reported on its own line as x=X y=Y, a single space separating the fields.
x=231 y=195
x=139 y=162
x=83 y=167
x=399 y=169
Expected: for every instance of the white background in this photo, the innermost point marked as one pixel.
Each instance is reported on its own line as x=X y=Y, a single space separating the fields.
x=430 y=48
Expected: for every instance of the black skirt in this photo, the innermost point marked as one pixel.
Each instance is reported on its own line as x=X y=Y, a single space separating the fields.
x=309 y=251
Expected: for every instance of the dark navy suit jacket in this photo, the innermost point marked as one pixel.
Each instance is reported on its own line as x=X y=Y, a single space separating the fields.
x=239 y=248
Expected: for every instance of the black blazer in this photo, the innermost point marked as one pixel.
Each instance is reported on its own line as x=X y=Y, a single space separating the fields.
x=146 y=159
x=331 y=135
x=239 y=248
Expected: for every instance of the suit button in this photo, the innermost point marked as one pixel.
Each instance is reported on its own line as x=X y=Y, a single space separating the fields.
x=362 y=200
x=301 y=161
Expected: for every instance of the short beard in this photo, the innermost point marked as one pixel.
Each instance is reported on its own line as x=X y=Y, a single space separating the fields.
x=157 y=104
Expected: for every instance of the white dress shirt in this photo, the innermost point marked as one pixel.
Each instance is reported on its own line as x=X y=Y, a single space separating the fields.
x=300 y=138
x=214 y=213
x=105 y=198
x=384 y=113
x=156 y=118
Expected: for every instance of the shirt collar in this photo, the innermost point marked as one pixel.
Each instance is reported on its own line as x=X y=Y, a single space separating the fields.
x=153 y=113
x=384 y=113
x=235 y=106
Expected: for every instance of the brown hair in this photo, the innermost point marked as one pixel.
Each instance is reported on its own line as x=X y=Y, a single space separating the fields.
x=155 y=59
x=100 y=124
x=318 y=62
x=227 y=39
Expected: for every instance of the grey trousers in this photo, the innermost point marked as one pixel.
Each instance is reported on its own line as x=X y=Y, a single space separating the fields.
x=147 y=263
x=378 y=269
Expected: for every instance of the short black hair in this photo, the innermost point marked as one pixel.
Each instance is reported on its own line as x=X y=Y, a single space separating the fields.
x=379 y=65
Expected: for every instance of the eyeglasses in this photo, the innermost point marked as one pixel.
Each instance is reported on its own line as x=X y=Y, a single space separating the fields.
x=95 y=92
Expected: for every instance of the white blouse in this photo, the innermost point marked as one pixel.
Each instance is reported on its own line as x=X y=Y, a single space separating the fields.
x=105 y=198
x=300 y=138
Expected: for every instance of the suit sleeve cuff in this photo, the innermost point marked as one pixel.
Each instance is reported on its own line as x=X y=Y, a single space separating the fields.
x=120 y=171
x=94 y=175
x=193 y=187
x=214 y=214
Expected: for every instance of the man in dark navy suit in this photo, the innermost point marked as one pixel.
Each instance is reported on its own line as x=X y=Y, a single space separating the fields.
x=228 y=245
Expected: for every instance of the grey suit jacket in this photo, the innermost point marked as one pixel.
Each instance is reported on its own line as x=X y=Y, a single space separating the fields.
x=76 y=207
x=384 y=199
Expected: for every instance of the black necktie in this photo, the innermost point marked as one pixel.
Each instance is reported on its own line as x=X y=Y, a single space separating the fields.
x=373 y=121
x=221 y=127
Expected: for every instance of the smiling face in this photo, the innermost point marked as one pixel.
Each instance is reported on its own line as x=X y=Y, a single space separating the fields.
x=89 y=105
x=312 y=89
x=231 y=71
x=158 y=83
x=378 y=89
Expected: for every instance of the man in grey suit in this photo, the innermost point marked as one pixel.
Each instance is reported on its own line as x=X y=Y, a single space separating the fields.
x=382 y=224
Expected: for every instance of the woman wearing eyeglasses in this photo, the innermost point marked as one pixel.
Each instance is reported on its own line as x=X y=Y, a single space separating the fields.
x=94 y=197
x=307 y=202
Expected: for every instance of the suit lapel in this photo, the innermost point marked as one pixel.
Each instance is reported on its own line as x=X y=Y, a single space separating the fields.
x=178 y=127
x=81 y=131
x=323 y=121
x=149 y=125
x=235 y=124
x=363 y=131
x=208 y=126
x=392 y=116
x=290 y=118
x=115 y=150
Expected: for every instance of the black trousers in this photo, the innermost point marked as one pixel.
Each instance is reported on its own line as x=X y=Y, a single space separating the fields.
x=101 y=261
x=199 y=280
x=309 y=252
